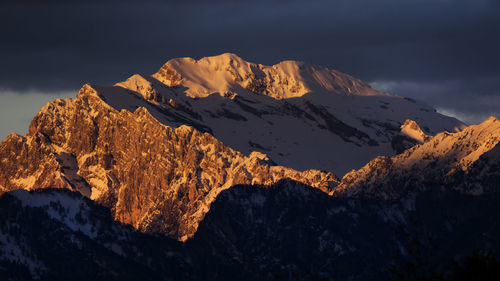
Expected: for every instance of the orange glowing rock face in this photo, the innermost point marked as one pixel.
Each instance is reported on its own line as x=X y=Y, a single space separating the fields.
x=154 y=177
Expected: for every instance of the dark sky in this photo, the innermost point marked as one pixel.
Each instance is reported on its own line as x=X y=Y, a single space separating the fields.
x=444 y=52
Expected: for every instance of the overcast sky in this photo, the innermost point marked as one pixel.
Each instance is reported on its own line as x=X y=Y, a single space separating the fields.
x=443 y=52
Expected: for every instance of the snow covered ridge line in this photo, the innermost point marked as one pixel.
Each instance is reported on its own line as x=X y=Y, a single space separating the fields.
x=467 y=161
x=228 y=73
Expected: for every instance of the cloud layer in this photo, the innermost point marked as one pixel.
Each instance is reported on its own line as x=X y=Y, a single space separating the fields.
x=441 y=51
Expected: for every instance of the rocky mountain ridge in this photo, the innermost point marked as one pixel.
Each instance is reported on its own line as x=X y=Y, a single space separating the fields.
x=154 y=177
x=464 y=160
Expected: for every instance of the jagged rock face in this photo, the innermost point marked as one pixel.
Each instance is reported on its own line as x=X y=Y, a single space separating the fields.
x=37 y=159
x=157 y=178
x=465 y=160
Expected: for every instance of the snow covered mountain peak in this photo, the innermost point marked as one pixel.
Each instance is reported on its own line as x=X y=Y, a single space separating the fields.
x=276 y=109
x=412 y=130
x=227 y=73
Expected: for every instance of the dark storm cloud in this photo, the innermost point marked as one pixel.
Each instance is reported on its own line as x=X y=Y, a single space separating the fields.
x=472 y=100
x=58 y=45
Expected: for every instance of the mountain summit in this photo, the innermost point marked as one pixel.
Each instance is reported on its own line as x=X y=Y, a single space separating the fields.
x=301 y=115
x=227 y=74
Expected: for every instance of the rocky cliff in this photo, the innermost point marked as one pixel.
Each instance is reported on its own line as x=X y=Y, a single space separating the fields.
x=154 y=177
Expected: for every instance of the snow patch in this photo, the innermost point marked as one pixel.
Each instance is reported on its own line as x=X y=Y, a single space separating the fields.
x=71 y=208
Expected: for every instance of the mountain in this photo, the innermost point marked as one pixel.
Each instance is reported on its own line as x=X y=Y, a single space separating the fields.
x=467 y=161
x=56 y=234
x=292 y=232
x=156 y=178
x=221 y=169
x=287 y=231
x=302 y=115
x=159 y=149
